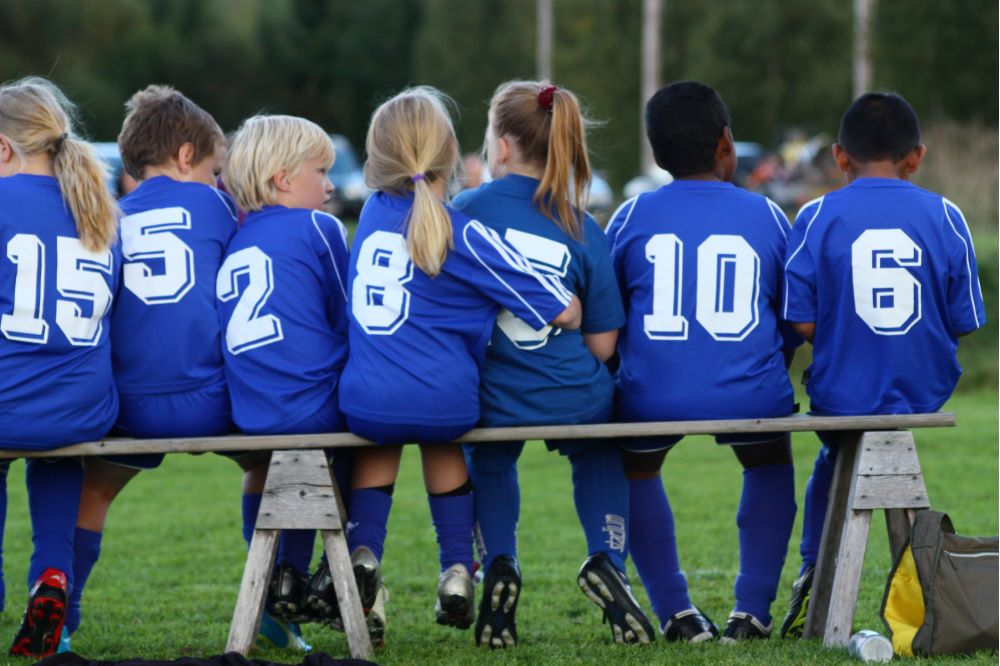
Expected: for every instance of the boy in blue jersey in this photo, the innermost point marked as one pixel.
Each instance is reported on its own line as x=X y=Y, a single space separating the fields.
x=879 y=273
x=699 y=265
x=281 y=295
x=537 y=150
x=59 y=271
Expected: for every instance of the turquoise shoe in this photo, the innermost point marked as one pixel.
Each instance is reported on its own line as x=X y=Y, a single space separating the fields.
x=281 y=635
x=64 y=643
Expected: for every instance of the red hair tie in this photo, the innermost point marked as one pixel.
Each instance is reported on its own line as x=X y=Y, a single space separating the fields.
x=545 y=97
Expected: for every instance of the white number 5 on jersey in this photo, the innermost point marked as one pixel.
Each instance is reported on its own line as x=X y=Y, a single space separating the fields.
x=149 y=236
x=545 y=256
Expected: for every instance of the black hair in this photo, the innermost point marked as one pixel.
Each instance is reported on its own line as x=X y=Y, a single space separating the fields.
x=684 y=121
x=879 y=126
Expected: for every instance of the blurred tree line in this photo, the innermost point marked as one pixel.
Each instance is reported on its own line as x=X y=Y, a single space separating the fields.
x=778 y=64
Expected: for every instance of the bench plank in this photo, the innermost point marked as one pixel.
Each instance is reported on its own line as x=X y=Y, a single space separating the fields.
x=800 y=423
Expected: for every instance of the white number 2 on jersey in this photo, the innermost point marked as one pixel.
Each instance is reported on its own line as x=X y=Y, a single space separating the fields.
x=886 y=295
x=379 y=301
x=149 y=236
x=81 y=275
x=545 y=256
x=247 y=328
x=728 y=282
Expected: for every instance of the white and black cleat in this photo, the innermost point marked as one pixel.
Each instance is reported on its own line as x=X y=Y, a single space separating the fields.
x=608 y=588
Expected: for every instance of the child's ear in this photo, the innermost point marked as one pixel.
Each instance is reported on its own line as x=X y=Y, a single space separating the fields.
x=185 y=158
x=280 y=181
x=912 y=161
x=841 y=157
x=6 y=150
x=503 y=150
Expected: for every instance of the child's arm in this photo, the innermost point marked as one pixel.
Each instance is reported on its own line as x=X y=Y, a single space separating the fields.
x=965 y=296
x=799 y=308
x=806 y=329
x=601 y=345
x=602 y=300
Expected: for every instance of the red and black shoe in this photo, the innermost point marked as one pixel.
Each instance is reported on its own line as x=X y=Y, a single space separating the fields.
x=43 y=621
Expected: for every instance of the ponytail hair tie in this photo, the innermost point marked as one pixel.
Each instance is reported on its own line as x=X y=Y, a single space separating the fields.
x=545 y=96
x=418 y=177
x=60 y=140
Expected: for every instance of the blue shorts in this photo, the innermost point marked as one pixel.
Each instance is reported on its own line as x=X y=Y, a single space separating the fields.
x=667 y=442
x=327 y=418
x=395 y=433
x=202 y=412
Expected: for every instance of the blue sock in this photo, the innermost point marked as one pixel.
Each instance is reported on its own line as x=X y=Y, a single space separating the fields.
x=368 y=519
x=600 y=492
x=452 y=516
x=817 y=499
x=654 y=547
x=295 y=547
x=4 y=468
x=496 y=496
x=765 y=519
x=251 y=506
x=86 y=551
x=54 y=503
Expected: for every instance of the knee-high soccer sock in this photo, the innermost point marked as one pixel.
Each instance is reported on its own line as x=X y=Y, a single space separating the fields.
x=496 y=496
x=600 y=492
x=86 y=551
x=251 y=505
x=295 y=547
x=54 y=503
x=817 y=499
x=653 y=546
x=4 y=468
x=368 y=519
x=452 y=515
x=765 y=519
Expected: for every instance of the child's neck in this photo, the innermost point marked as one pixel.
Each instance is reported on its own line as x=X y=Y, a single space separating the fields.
x=169 y=170
x=879 y=169
x=709 y=176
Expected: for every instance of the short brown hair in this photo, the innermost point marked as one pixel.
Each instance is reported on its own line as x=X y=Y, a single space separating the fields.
x=159 y=120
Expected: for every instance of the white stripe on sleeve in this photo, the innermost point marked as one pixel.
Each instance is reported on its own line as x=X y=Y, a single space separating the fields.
x=631 y=206
x=329 y=250
x=819 y=206
x=968 y=265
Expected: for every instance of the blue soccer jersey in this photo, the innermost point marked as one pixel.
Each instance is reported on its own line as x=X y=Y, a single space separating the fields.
x=888 y=273
x=546 y=376
x=56 y=384
x=282 y=298
x=417 y=343
x=165 y=335
x=700 y=268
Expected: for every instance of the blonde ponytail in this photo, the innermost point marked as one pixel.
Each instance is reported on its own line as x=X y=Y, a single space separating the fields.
x=411 y=144
x=38 y=119
x=549 y=128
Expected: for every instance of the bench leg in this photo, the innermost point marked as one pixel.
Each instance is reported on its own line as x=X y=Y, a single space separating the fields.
x=833 y=528
x=253 y=591
x=847 y=579
x=348 y=598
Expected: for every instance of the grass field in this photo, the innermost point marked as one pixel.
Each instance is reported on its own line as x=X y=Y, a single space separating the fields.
x=173 y=557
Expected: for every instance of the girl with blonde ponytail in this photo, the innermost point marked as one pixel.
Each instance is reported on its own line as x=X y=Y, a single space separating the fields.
x=425 y=285
x=59 y=268
x=537 y=152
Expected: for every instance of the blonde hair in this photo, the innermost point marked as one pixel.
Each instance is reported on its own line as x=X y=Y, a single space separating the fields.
x=549 y=128
x=37 y=119
x=263 y=146
x=411 y=143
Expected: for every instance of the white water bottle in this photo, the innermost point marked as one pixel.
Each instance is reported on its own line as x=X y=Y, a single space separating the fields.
x=869 y=645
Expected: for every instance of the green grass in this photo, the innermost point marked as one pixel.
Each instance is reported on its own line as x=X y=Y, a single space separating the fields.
x=173 y=557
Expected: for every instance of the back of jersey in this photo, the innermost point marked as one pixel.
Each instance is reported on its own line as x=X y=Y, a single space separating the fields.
x=699 y=265
x=887 y=272
x=165 y=333
x=56 y=385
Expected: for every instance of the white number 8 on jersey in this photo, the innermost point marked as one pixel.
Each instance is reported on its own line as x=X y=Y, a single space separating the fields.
x=379 y=302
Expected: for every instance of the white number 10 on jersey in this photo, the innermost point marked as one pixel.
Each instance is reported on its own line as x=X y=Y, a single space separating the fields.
x=728 y=282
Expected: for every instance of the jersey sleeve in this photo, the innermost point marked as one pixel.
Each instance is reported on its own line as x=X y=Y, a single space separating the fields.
x=602 y=301
x=800 y=269
x=616 y=246
x=965 y=296
x=789 y=338
x=330 y=241
x=482 y=259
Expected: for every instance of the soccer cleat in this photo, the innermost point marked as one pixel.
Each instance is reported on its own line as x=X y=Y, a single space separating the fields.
x=690 y=626
x=744 y=627
x=320 y=601
x=496 y=626
x=280 y=634
x=798 y=605
x=456 y=598
x=368 y=576
x=64 y=643
x=608 y=588
x=41 y=628
x=287 y=593
x=376 y=619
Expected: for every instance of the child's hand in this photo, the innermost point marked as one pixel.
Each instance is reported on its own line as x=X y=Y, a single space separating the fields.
x=572 y=317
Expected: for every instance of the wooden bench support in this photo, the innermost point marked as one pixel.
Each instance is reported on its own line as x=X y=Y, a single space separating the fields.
x=300 y=493
x=874 y=470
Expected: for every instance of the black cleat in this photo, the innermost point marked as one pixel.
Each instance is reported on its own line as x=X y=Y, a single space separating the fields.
x=496 y=626
x=320 y=601
x=744 y=627
x=798 y=605
x=456 y=598
x=690 y=626
x=287 y=592
x=43 y=621
x=609 y=589
x=368 y=576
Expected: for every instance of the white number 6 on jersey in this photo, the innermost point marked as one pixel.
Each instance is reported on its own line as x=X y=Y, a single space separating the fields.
x=886 y=295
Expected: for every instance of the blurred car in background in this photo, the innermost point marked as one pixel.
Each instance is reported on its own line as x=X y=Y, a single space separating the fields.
x=349 y=189
x=119 y=182
x=601 y=198
x=748 y=155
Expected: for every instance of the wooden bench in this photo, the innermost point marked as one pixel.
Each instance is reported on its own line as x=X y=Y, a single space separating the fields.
x=877 y=468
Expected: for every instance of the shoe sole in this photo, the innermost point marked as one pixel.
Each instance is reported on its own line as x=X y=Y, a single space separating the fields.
x=39 y=634
x=499 y=605
x=367 y=581
x=454 y=611
x=623 y=616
